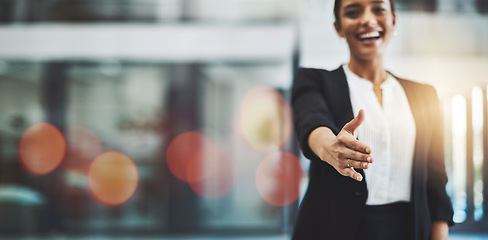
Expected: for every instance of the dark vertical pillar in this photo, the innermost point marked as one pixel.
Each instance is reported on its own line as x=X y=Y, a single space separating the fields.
x=469 y=161
x=183 y=213
x=54 y=99
x=7 y=9
x=482 y=6
x=54 y=93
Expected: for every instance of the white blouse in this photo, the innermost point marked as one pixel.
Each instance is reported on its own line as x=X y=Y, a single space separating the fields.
x=390 y=133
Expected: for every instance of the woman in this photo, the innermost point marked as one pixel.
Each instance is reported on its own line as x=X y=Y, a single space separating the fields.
x=379 y=175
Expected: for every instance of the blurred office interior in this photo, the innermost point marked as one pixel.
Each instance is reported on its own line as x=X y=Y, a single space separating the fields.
x=170 y=119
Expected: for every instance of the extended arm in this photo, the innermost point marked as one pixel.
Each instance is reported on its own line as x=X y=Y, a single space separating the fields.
x=315 y=127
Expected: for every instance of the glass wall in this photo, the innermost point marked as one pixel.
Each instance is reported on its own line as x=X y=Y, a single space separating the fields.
x=146 y=148
x=147 y=117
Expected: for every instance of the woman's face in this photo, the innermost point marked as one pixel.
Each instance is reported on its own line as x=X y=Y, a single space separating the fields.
x=367 y=26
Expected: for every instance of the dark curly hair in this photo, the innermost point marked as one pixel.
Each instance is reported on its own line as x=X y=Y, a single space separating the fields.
x=337 y=9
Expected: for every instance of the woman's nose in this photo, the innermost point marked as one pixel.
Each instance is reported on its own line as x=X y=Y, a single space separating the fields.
x=368 y=19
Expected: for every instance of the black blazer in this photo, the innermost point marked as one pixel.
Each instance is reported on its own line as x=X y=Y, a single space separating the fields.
x=333 y=204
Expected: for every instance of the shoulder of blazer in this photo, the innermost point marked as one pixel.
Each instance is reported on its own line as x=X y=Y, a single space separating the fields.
x=324 y=72
x=335 y=90
x=422 y=99
x=409 y=85
x=330 y=79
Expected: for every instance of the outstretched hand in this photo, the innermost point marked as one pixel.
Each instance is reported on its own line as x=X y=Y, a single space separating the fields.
x=343 y=152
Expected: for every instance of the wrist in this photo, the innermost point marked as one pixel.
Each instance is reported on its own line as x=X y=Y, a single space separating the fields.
x=318 y=139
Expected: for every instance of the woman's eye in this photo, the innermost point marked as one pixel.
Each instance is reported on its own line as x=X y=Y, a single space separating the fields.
x=351 y=13
x=380 y=10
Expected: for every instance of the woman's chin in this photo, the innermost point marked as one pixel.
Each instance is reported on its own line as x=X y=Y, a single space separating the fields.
x=366 y=54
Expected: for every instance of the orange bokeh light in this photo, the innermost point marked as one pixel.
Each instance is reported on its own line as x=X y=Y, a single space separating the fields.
x=194 y=158
x=41 y=148
x=83 y=146
x=278 y=178
x=182 y=150
x=265 y=119
x=201 y=164
x=113 y=178
x=214 y=173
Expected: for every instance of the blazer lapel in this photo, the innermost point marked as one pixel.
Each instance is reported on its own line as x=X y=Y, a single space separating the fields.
x=423 y=132
x=340 y=101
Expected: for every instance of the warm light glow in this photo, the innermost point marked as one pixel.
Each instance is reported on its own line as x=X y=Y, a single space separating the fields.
x=192 y=157
x=41 y=148
x=211 y=173
x=459 y=115
x=203 y=163
x=265 y=119
x=278 y=178
x=459 y=121
x=477 y=111
x=113 y=178
x=182 y=150
x=83 y=146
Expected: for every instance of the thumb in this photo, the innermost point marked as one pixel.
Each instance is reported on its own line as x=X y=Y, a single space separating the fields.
x=351 y=126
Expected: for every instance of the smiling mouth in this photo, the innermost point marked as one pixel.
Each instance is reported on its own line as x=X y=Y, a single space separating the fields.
x=369 y=35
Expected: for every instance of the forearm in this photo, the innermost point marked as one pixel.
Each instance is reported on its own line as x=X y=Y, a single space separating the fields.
x=317 y=138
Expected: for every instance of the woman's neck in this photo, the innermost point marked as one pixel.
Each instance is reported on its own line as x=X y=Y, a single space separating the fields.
x=371 y=70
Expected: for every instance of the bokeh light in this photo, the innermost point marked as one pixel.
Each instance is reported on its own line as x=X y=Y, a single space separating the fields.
x=202 y=163
x=278 y=178
x=41 y=148
x=194 y=158
x=211 y=173
x=265 y=119
x=113 y=178
x=83 y=146
x=182 y=150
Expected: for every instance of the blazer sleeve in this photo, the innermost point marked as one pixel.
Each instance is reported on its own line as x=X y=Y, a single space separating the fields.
x=439 y=202
x=310 y=109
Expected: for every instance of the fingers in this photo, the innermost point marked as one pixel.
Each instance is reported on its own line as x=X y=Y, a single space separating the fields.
x=352 y=174
x=351 y=126
x=347 y=136
x=347 y=153
x=356 y=164
x=350 y=142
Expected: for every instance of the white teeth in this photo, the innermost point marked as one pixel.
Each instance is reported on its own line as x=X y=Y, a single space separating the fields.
x=369 y=35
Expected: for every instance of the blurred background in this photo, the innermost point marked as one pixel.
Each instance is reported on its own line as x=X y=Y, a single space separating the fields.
x=170 y=119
